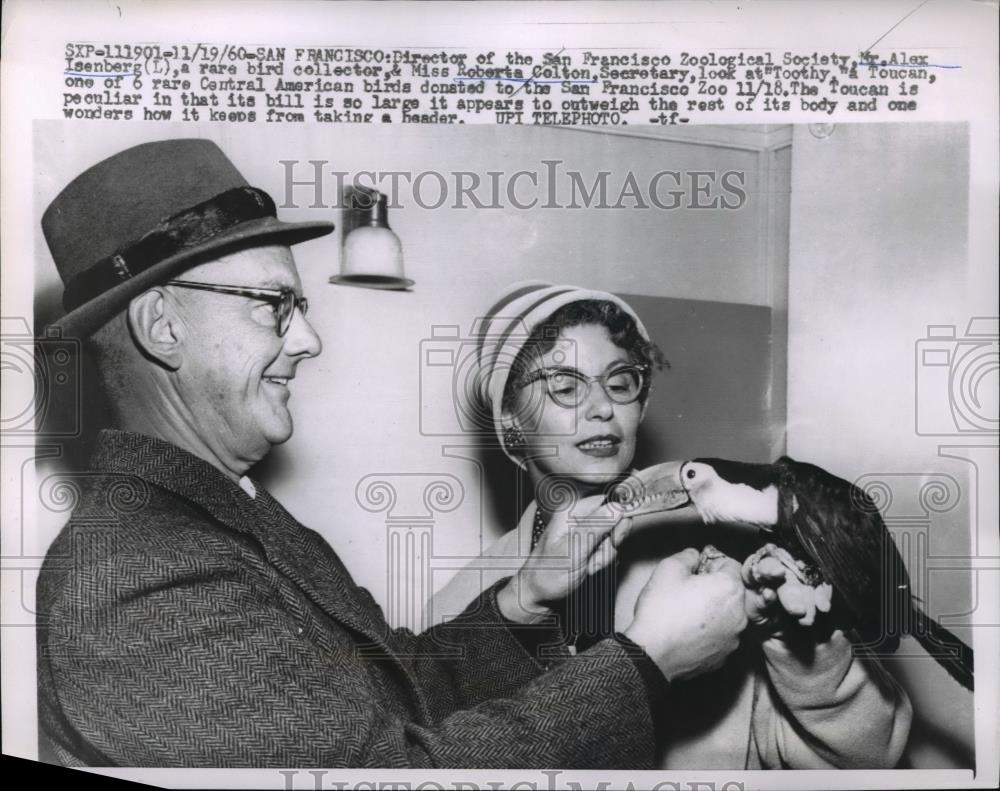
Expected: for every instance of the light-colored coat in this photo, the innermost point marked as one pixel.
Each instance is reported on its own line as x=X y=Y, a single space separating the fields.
x=766 y=708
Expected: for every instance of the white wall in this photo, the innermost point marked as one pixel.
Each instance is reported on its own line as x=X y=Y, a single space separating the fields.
x=878 y=252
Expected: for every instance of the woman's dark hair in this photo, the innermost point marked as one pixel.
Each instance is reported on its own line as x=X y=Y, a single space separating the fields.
x=619 y=324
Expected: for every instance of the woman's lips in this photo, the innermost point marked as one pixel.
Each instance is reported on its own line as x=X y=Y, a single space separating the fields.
x=601 y=447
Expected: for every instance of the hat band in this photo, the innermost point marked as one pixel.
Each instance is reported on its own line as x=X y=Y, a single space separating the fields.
x=183 y=231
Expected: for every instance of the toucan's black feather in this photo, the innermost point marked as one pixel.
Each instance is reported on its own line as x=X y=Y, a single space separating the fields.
x=839 y=528
x=759 y=476
x=950 y=652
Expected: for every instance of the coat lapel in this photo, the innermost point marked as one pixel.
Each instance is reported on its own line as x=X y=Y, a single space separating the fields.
x=296 y=552
x=307 y=559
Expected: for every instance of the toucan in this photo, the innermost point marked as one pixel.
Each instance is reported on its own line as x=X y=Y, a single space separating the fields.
x=837 y=528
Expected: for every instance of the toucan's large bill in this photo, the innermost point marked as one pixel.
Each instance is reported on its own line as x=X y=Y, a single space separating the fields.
x=653 y=490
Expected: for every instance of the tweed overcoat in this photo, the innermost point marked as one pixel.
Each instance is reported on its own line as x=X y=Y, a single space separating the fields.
x=182 y=622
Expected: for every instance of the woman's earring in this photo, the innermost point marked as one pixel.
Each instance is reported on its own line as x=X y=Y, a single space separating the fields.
x=513 y=438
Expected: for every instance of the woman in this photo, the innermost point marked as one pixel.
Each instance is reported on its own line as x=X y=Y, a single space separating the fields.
x=565 y=374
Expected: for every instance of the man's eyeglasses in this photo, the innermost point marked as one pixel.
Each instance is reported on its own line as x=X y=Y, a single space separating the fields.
x=569 y=388
x=282 y=300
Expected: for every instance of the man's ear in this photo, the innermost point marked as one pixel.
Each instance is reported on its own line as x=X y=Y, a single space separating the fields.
x=153 y=327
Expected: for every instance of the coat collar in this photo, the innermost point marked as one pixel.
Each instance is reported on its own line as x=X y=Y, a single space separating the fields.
x=297 y=552
x=178 y=471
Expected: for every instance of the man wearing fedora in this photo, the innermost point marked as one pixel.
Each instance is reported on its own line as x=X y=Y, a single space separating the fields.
x=186 y=619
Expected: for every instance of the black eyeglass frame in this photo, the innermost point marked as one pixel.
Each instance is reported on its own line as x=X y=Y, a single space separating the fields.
x=645 y=380
x=282 y=300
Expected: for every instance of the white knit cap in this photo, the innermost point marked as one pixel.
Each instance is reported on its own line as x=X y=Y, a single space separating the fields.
x=507 y=326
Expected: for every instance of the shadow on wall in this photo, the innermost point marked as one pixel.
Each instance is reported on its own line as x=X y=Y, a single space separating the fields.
x=70 y=406
x=715 y=399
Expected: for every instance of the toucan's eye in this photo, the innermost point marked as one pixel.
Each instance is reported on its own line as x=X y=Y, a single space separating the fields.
x=690 y=474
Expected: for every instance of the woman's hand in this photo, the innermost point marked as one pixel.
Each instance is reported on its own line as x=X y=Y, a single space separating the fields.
x=777 y=592
x=577 y=542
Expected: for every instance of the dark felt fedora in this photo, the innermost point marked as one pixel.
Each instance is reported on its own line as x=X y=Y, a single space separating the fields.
x=148 y=213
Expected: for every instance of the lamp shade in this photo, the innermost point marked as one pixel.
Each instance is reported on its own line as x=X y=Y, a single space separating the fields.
x=373 y=255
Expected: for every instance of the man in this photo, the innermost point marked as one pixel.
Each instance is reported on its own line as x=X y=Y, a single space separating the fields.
x=186 y=619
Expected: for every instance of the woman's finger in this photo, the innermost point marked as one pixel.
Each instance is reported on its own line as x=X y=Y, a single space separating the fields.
x=596 y=522
x=793 y=599
x=756 y=606
x=770 y=570
x=594 y=505
x=603 y=556
x=621 y=531
x=810 y=617
x=824 y=597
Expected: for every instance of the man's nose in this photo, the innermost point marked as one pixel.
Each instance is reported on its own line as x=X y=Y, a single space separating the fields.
x=301 y=339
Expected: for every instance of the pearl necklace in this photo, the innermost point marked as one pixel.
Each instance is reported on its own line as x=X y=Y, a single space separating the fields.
x=537 y=528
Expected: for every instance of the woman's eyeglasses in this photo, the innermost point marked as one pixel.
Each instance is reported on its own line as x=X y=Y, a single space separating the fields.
x=569 y=388
x=282 y=300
